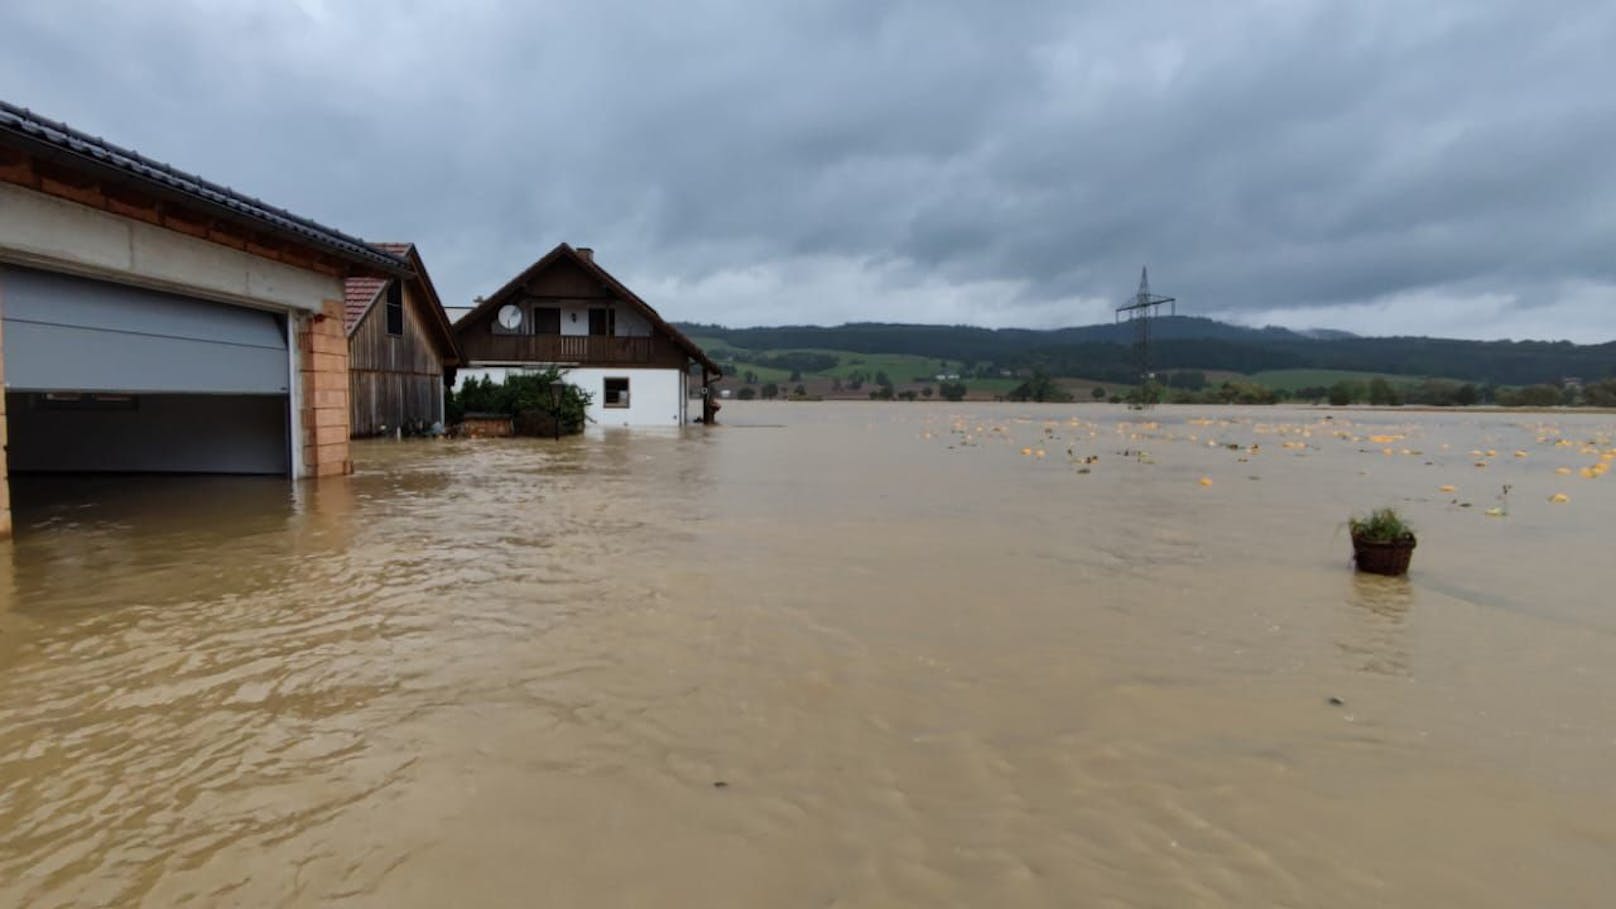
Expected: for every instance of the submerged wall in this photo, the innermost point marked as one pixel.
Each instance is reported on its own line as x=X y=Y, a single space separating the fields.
x=656 y=396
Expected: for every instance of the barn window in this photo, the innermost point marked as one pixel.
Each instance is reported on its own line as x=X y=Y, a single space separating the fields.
x=616 y=393
x=395 y=308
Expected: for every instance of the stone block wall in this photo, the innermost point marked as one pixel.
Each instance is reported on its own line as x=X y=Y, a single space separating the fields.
x=323 y=357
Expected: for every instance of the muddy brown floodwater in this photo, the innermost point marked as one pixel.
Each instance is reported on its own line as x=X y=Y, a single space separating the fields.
x=828 y=655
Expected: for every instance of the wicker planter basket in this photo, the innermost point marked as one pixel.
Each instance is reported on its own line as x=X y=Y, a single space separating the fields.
x=1389 y=557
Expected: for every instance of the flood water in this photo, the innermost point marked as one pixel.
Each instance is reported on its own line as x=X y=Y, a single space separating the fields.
x=828 y=655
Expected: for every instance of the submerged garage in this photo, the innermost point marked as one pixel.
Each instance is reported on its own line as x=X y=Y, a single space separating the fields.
x=106 y=377
x=152 y=321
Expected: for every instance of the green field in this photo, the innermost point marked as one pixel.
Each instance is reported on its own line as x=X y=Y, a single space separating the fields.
x=908 y=371
x=905 y=371
x=1292 y=379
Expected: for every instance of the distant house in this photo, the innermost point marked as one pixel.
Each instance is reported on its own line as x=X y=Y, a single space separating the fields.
x=401 y=349
x=568 y=312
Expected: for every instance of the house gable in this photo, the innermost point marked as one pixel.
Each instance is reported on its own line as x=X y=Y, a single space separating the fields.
x=556 y=296
x=364 y=296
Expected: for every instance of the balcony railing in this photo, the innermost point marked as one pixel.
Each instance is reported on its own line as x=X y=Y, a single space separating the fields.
x=567 y=349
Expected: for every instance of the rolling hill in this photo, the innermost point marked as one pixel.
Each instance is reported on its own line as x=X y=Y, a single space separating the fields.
x=1104 y=352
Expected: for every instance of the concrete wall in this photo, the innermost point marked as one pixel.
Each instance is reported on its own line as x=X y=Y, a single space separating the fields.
x=44 y=231
x=655 y=395
x=163 y=433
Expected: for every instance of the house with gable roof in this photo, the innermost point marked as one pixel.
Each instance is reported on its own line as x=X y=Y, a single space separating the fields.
x=568 y=312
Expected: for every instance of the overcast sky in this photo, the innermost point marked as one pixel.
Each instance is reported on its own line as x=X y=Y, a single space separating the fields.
x=1426 y=167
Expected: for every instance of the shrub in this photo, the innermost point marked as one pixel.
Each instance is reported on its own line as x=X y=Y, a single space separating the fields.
x=546 y=395
x=1600 y=394
x=1150 y=392
x=1381 y=393
x=746 y=393
x=1039 y=388
x=1383 y=525
x=1530 y=396
x=952 y=391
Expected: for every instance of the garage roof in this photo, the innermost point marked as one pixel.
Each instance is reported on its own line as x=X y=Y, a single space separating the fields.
x=55 y=141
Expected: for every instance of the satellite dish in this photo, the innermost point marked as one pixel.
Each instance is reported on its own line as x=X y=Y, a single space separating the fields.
x=510 y=316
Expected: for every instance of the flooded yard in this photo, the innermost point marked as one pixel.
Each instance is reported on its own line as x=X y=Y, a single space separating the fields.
x=829 y=655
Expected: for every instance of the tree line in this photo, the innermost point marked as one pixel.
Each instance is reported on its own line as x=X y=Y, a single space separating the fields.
x=1102 y=353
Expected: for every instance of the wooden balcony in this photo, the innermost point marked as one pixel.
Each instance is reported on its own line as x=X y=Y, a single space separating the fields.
x=577 y=349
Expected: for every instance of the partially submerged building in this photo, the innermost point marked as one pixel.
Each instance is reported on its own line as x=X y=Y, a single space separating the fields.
x=401 y=349
x=153 y=321
x=565 y=311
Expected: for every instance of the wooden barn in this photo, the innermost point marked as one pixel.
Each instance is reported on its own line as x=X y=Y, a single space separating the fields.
x=401 y=350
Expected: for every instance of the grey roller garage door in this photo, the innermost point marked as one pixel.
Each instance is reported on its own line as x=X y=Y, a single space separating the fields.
x=104 y=377
x=64 y=333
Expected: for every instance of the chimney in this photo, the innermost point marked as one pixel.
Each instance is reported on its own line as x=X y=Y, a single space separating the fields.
x=587 y=253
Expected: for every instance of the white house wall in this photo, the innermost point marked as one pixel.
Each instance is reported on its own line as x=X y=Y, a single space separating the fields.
x=574 y=319
x=656 y=396
x=631 y=323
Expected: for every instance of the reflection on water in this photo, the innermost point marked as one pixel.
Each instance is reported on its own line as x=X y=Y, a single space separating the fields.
x=926 y=668
x=1378 y=637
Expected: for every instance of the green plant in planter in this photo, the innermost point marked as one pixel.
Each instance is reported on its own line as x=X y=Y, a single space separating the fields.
x=1382 y=543
x=1383 y=525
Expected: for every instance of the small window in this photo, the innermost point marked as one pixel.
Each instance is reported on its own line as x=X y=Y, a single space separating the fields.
x=395 y=309
x=602 y=321
x=616 y=393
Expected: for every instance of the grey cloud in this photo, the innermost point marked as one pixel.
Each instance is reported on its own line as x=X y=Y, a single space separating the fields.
x=958 y=160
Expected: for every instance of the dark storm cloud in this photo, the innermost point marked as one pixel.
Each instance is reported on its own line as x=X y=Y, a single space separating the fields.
x=1378 y=166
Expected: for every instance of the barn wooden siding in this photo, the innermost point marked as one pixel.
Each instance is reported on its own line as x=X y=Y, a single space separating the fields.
x=393 y=380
